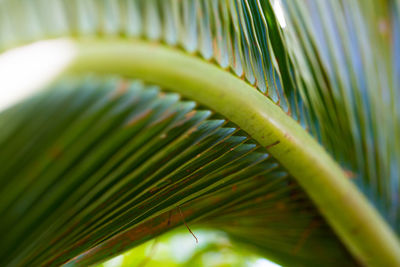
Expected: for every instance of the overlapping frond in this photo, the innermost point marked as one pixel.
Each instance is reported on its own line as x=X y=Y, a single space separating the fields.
x=120 y=161
x=345 y=55
x=234 y=34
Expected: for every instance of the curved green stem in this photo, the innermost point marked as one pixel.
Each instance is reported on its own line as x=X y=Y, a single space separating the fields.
x=356 y=222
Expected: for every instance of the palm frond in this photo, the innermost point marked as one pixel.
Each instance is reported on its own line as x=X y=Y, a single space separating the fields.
x=121 y=158
x=344 y=53
x=334 y=68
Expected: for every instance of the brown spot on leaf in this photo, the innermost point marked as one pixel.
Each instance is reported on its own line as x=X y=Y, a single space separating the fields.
x=273 y=144
x=121 y=89
x=350 y=174
x=139 y=117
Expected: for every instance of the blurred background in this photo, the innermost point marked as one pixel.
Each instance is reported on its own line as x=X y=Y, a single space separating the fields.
x=179 y=248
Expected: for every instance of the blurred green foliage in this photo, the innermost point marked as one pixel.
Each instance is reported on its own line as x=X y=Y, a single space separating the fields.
x=179 y=248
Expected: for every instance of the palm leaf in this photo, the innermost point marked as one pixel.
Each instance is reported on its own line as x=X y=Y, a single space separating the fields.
x=319 y=70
